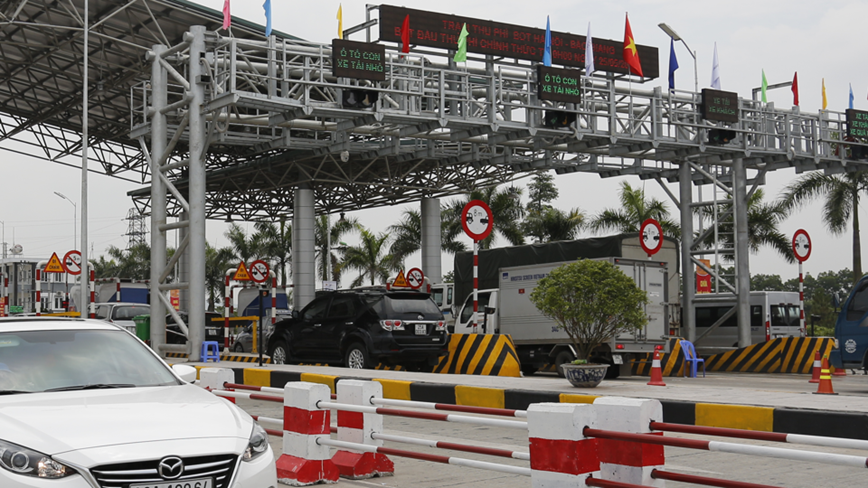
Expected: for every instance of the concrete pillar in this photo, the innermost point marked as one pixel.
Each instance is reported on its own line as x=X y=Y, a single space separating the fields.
x=688 y=277
x=158 y=199
x=196 y=261
x=742 y=251
x=431 y=239
x=303 y=256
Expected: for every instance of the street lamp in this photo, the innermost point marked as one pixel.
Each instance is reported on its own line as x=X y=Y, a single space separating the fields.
x=675 y=37
x=74 y=219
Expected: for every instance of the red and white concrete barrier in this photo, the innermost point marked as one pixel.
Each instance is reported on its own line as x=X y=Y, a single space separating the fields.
x=306 y=461
x=561 y=456
x=629 y=462
x=214 y=378
x=360 y=428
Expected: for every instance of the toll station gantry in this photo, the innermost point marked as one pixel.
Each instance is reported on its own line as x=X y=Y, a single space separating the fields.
x=243 y=127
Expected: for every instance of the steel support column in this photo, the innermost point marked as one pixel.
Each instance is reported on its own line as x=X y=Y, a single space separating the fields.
x=303 y=256
x=158 y=200
x=196 y=261
x=688 y=277
x=431 y=265
x=742 y=250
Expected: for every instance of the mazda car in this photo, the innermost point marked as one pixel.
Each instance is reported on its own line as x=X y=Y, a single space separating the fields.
x=361 y=328
x=85 y=404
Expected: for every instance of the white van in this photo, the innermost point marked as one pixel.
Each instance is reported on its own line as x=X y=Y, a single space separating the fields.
x=773 y=314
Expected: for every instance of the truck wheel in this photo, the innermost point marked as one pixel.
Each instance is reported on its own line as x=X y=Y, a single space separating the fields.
x=561 y=358
x=529 y=370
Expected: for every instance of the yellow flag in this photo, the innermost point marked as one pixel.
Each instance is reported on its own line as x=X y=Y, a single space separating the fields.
x=825 y=102
x=340 y=21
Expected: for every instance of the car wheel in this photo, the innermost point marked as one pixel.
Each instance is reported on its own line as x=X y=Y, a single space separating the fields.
x=279 y=354
x=238 y=347
x=560 y=359
x=357 y=357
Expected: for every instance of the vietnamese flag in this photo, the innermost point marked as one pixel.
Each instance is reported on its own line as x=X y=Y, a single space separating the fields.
x=405 y=35
x=631 y=55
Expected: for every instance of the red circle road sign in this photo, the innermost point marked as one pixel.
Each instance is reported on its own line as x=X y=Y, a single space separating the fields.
x=477 y=220
x=259 y=271
x=72 y=262
x=415 y=278
x=651 y=236
x=802 y=245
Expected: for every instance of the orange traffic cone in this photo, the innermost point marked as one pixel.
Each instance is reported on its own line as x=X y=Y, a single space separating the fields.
x=656 y=371
x=825 y=380
x=815 y=374
x=838 y=372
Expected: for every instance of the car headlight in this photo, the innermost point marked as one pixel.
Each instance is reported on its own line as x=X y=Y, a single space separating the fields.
x=28 y=462
x=257 y=444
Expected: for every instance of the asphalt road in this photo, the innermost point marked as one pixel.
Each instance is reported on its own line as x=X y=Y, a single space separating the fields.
x=414 y=473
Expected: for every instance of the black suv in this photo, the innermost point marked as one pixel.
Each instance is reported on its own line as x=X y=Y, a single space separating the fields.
x=362 y=328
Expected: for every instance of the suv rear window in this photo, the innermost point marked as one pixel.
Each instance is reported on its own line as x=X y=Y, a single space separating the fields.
x=412 y=304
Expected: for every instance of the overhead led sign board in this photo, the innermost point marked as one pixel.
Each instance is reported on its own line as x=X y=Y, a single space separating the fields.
x=509 y=41
x=363 y=60
x=558 y=84
x=719 y=105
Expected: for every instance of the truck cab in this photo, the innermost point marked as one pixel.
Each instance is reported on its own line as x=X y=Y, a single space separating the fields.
x=443 y=295
x=851 y=330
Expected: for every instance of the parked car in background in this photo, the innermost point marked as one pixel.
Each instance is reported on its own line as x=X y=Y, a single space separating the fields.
x=244 y=339
x=361 y=328
x=213 y=329
x=86 y=404
x=122 y=313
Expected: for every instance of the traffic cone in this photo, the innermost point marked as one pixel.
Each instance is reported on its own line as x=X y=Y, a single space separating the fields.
x=825 y=387
x=815 y=374
x=838 y=372
x=656 y=371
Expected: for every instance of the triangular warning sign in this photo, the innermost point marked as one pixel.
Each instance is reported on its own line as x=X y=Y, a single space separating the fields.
x=401 y=281
x=54 y=265
x=241 y=273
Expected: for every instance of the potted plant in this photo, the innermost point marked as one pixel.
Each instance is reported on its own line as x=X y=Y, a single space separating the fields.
x=593 y=301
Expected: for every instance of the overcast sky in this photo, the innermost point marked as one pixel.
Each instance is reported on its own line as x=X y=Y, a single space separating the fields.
x=817 y=39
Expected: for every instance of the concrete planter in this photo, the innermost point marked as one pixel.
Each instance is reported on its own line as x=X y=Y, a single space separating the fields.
x=585 y=375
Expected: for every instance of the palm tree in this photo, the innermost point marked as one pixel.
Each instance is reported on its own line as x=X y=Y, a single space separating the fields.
x=335 y=231
x=762 y=227
x=506 y=212
x=842 y=203
x=243 y=245
x=133 y=263
x=104 y=268
x=408 y=234
x=368 y=258
x=217 y=261
x=635 y=209
x=274 y=243
x=551 y=224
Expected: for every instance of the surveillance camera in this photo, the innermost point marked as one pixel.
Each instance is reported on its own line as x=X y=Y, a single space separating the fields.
x=345 y=156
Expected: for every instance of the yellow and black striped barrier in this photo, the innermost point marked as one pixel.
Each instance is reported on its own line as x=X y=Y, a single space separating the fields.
x=671 y=362
x=480 y=354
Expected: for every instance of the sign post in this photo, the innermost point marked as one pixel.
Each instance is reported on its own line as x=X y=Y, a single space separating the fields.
x=651 y=237
x=802 y=251
x=477 y=221
x=415 y=278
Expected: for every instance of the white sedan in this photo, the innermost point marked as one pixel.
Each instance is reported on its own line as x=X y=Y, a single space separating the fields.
x=85 y=404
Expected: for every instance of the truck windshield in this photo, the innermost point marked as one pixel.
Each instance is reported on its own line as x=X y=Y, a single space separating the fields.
x=467 y=311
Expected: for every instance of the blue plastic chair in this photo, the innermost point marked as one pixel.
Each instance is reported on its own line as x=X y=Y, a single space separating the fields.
x=691 y=360
x=210 y=350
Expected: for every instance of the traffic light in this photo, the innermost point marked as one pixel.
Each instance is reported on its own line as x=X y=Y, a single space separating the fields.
x=555 y=119
x=354 y=98
x=719 y=137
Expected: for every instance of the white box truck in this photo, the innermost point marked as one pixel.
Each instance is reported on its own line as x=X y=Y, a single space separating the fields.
x=538 y=339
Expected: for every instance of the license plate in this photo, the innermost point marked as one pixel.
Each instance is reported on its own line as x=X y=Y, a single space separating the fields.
x=421 y=329
x=617 y=358
x=213 y=332
x=200 y=483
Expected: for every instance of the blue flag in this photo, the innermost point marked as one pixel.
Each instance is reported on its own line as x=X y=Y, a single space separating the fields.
x=547 y=55
x=267 y=7
x=851 y=95
x=673 y=64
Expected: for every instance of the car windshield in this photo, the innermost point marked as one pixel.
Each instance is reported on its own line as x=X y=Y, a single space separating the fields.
x=127 y=313
x=37 y=361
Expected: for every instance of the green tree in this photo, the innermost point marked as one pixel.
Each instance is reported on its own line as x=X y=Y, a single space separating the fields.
x=273 y=242
x=593 y=301
x=841 y=192
x=336 y=231
x=104 y=268
x=243 y=245
x=553 y=224
x=761 y=282
x=763 y=220
x=217 y=261
x=369 y=258
x=133 y=263
x=506 y=211
x=408 y=235
x=635 y=209
x=541 y=191
x=449 y=277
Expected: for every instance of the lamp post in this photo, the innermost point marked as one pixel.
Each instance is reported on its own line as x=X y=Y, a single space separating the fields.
x=74 y=218
x=675 y=37
x=4 y=238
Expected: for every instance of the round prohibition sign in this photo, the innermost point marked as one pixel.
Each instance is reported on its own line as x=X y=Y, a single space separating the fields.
x=477 y=220
x=802 y=245
x=415 y=278
x=651 y=236
x=72 y=262
x=259 y=271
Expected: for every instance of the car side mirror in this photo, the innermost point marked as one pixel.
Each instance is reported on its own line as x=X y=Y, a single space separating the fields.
x=836 y=300
x=490 y=310
x=187 y=373
x=295 y=314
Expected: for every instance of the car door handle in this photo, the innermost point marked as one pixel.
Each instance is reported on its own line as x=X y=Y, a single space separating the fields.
x=317 y=325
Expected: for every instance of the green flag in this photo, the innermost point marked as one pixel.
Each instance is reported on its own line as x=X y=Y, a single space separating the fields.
x=461 y=55
x=765 y=86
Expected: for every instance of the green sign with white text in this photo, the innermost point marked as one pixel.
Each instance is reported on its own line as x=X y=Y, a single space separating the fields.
x=559 y=85
x=857 y=123
x=363 y=60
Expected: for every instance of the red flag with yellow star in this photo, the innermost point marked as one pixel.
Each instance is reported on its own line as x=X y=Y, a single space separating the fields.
x=631 y=55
